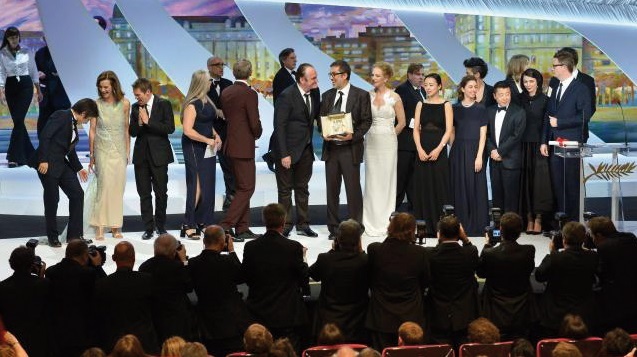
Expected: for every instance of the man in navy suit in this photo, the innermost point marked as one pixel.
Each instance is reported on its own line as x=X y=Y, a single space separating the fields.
x=567 y=115
x=504 y=145
x=58 y=166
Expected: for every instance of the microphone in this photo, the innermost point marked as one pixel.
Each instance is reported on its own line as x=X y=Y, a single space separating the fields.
x=619 y=104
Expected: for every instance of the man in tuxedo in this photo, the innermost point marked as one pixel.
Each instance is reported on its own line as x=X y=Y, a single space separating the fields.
x=410 y=93
x=504 y=145
x=275 y=272
x=151 y=120
x=285 y=76
x=343 y=154
x=217 y=85
x=568 y=112
x=241 y=109
x=53 y=94
x=58 y=167
x=294 y=115
x=507 y=289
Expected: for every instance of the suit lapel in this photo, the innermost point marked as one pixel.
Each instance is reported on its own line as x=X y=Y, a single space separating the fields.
x=301 y=101
x=350 y=99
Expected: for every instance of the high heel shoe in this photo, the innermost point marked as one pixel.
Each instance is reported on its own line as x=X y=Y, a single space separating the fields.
x=99 y=233
x=191 y=233
x=117 y=233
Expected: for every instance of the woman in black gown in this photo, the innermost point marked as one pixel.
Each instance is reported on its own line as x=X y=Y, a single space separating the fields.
x=536 y=196
x=478 y=68
x=467 y=160
x=198 y=114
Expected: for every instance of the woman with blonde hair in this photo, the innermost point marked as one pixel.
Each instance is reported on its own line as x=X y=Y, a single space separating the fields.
x=128 y=346
x=172 y=347
x=197 y=116
x=515 y=67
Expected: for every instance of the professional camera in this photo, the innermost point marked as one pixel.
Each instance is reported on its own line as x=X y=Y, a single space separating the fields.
x=421 y=231
x=447 y=210
x=493 y=231
x=589 y=243
x=94 y=250
x=556 y=235
x=36 y=268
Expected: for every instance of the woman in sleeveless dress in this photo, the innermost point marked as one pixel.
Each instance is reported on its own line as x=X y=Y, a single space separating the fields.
x=197 y=116
x=109 y=145
x=433 y=123
x=381 y=153
x=467 y=161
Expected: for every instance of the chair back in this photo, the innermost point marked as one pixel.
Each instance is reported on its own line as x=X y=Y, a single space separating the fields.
x=420 y=351
x=239 y=354
x=498 y=349
x=589 y=346
x=328 y=351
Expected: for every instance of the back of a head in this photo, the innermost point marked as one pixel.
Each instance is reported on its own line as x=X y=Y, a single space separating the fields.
x=165 y=246
x=330 y=335
x=194 y=349
x=369 y=352
x=411 y=334
x=511 y=226
x=522 y=348
x=91 y=352
x=617 y=342
x=273 y=216
x=86 y=106
x=242 y=69
x=449 y=228
x=602 y=225
x=574 y=234
x=346 y=352
x=257 y=339
x=282 y=348
x=172 y=347
x=214 y=237
x=349 y=235
x=76 y=249
x=481 y=330
x=124 y=254
x=128 y=346
x=573 y=327
x=21 y=259
x=565 y=349
x=402 y=227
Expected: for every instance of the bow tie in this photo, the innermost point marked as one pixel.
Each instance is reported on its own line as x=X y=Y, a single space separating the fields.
x=502 y=108
x=214 y=83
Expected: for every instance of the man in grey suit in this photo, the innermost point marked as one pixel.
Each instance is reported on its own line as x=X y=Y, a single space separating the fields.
x=343 y=154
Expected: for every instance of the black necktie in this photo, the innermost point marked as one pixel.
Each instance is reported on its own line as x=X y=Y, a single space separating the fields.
x=307 y=103
x=417 y=89
x=337 y=106
x=558 y=97
x=502 y=108
x=214 y=83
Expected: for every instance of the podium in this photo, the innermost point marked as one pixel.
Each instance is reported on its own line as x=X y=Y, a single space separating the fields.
x=574 y=150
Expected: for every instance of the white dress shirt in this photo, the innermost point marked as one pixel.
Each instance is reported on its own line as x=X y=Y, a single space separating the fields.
x=499 y=120
x=23 y=64
x=345 y=91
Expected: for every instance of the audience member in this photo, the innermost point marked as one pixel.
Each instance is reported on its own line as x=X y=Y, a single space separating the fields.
x=617 y=274
x=257 y=340
x=93 y=352
x=522 y=348
x=330 y=335
x=618 y=343
x=369 y=352
x=282 y=348
x=221 y=311
x=194 y=349
x=507 y=294
x=569 y=275
x=24 y=297
x=573 y=328
x=171 y=284
x=410 y=334
x=275 y=272
x=72 y=285
x=345 y=352
x=453 y=294
x=128 y=346
x=565 y=349
x=343 y=273
x=481 y=330
x=172 y=347
x=123 y=302
x=398 y=276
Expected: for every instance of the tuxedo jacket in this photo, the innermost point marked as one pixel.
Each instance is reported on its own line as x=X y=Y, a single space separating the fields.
x=240 y=105
x=275 y=273
x=282 y=80
x=152 y=142
x=511 y=135
x=359 y=105
x=410 y=98
x=293 y=123
x=219 y=123
x=55 y=145
x=221 y=310
x=573 y=113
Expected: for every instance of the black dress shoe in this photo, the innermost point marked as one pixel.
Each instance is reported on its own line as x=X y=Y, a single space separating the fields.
x=286 y=232
x=148 y=235
x=247 y=235
x=54 y=243
x=226 y=203
x=161 y=231
x=307 y=231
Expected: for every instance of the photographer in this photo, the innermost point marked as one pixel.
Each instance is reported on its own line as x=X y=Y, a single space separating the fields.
x=569 y=275
x=453 y=294
x=617 y=274
x=23 y=301
x=72 y=285
x=399 y=275
x=507 y=289
x=171 y=284
x=344 y=283
x=221 y=310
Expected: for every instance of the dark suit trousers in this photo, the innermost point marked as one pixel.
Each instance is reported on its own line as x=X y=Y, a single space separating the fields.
x=338 y=167
x=296 y=178
x=505 y=186
x=70 y=185
x=150 y=178
x=566 y=185
x=238 y=215
x=404 y=174
x=228 y=178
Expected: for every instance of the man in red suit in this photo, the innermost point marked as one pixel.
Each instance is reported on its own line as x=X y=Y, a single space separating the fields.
x=241 y=109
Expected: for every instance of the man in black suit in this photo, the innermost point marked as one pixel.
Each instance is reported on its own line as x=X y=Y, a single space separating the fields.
x=151 y=120
x=294 y=113
x=222 y=313
x=504 y=145
x=507 y=289
x=123 y=302
x=343 y=154
x=568 y=112
x=569 y=275
x=344 y=278
x=285 y=76
x=171 y=284
x=217 y=85
x=275 y=272
x=72 y=285
x=58 y=167
x=24 y=300
x=410 y=93
x=53 y=94
x=453 y=293
x=617 y=274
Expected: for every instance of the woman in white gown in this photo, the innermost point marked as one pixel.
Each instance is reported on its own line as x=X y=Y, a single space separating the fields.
x=381 y=153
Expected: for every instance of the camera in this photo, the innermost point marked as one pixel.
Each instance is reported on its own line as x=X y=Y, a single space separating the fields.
x=447 y=210
x=421 y=231
x=556 y=235
x=94 y=250
x=589 y=243
x=493 y=231
x=36 y=268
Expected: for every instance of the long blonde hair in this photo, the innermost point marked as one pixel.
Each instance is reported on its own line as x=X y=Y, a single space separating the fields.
x=199 y=86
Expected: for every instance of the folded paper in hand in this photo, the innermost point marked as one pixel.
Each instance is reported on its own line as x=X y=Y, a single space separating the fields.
x=336 y=124
x=211 y=151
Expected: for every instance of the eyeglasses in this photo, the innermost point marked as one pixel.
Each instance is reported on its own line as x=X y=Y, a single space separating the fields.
x=217 y=64
x=334 y=74
x=559 y=65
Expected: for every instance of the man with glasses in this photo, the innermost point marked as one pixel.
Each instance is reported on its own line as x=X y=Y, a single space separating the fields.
x=343 y=154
